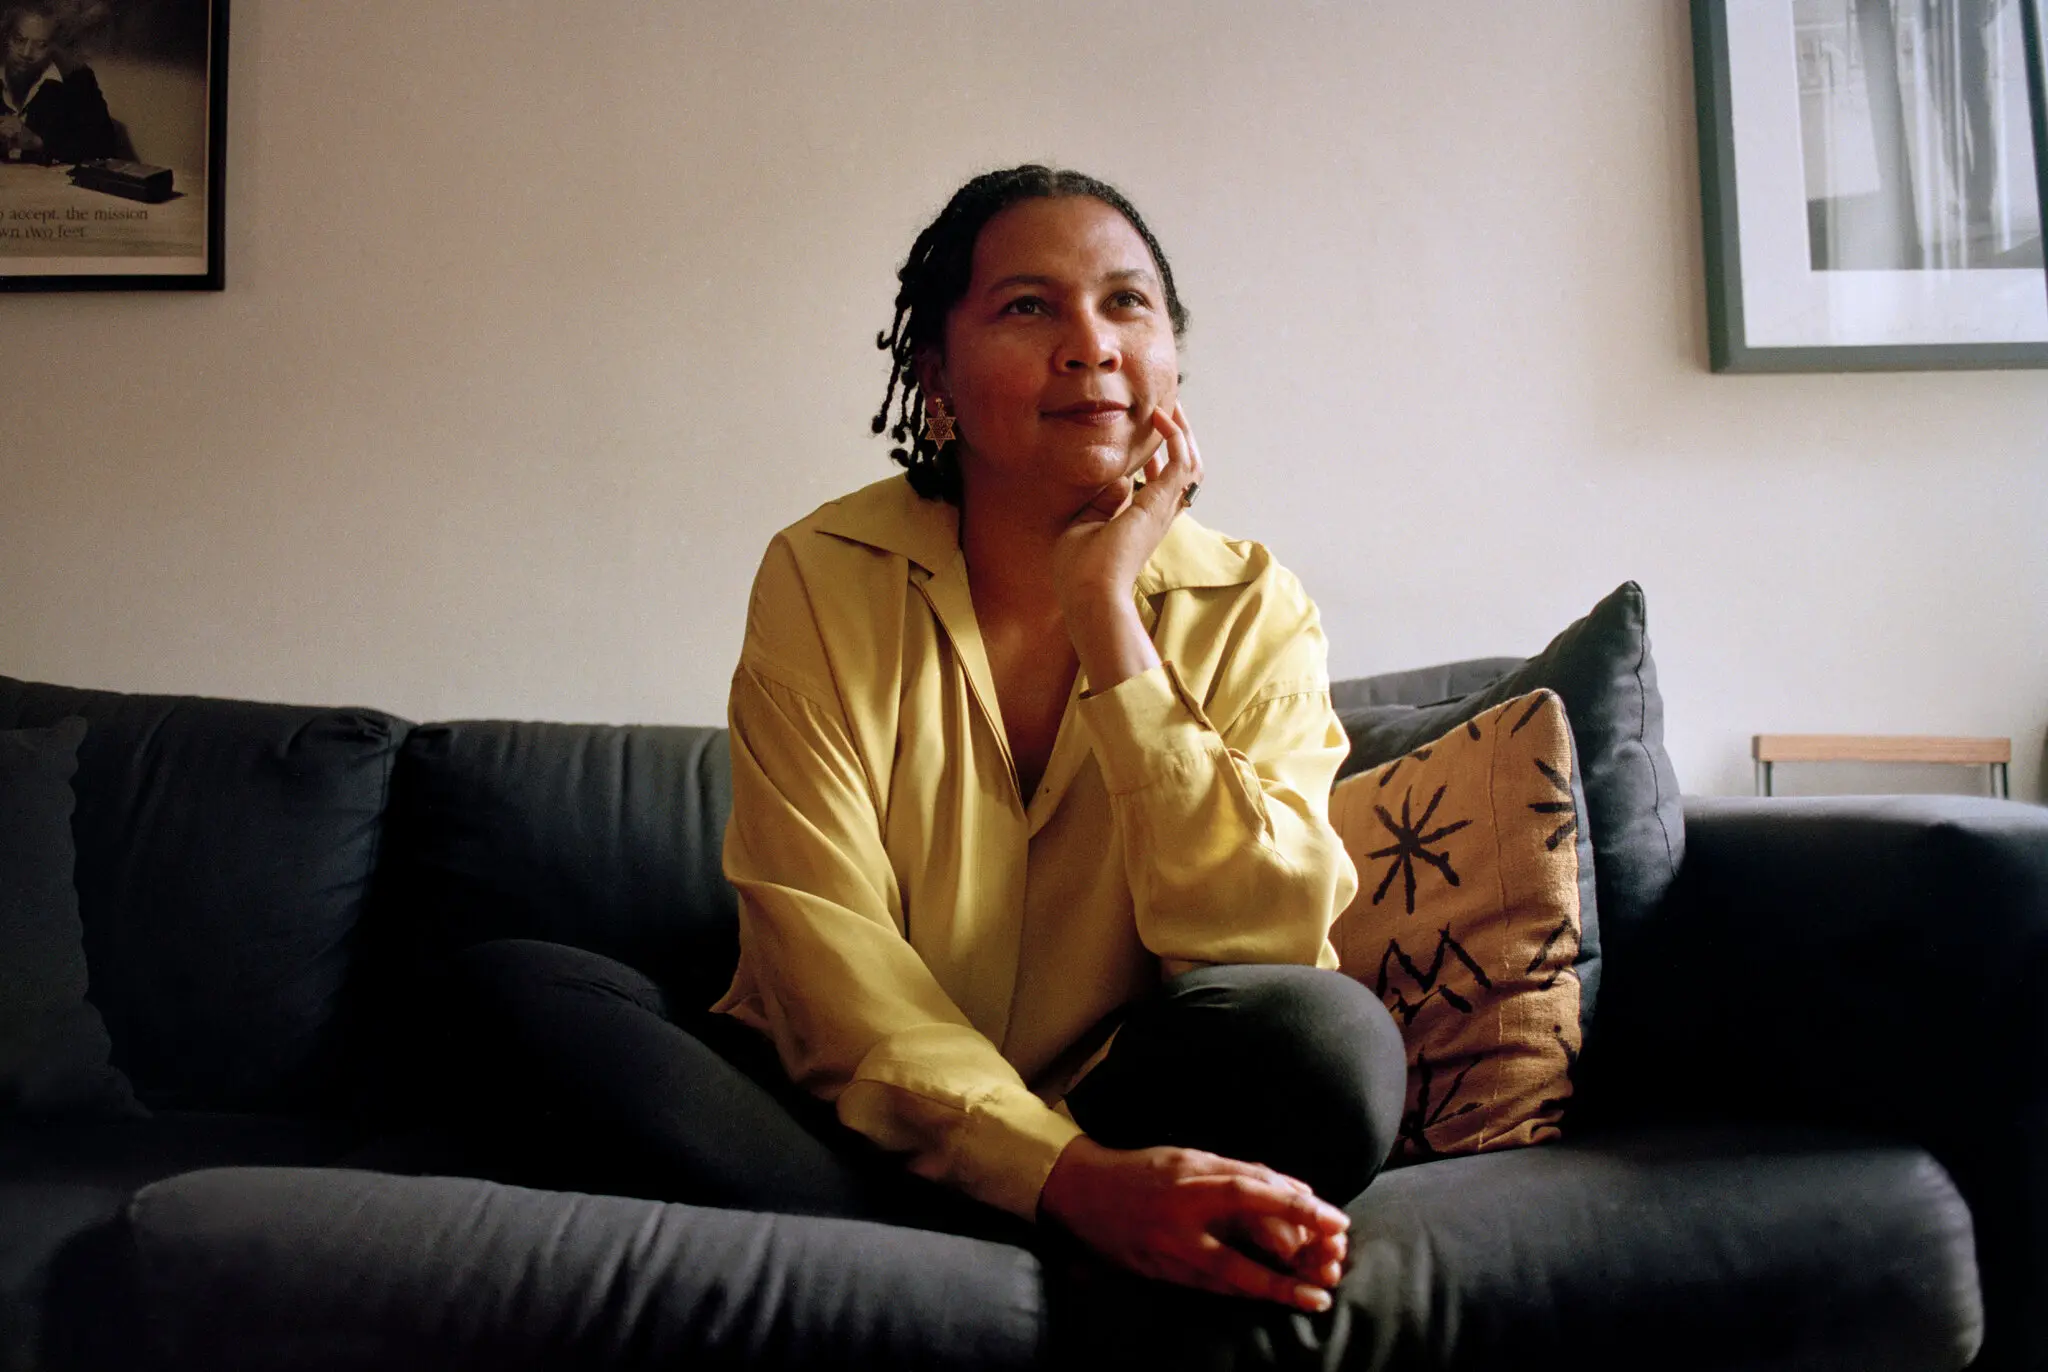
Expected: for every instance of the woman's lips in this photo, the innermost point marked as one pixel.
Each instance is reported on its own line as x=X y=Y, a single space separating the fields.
x=1096 y=414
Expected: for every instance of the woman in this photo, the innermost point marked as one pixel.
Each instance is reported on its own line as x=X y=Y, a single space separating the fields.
x=1029 y=822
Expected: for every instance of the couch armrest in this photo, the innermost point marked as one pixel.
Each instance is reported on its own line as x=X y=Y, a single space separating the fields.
x=1880 y=962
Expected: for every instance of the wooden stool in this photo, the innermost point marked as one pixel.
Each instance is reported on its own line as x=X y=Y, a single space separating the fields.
x=1992 y=753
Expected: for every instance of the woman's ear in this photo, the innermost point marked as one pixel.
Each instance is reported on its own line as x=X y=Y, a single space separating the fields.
x=931 y=373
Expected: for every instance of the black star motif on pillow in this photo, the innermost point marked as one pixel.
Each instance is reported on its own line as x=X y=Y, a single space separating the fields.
x=1412 y=845
x=1419 y=755
x=1563 y=806
x=1563 y=939
x=1425 y=1115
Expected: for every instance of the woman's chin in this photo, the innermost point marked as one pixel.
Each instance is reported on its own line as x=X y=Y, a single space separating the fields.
x=1095 y=466
x=1080 y=469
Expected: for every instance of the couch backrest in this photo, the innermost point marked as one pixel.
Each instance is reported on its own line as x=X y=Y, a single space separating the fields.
x=225 y=851
x=1422 y=685
x=267 y=890
x=602 y=836
x=609 y=837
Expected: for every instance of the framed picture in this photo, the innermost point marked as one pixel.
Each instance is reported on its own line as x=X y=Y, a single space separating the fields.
x=1869 y=184
x=112 y=133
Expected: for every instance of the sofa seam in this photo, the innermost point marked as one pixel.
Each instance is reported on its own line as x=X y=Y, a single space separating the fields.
x=383 y=811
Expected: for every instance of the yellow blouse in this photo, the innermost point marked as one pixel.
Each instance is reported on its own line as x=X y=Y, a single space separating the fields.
x=943 y=961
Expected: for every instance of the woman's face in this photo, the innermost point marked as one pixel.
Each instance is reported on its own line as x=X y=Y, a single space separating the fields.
x=1059 y=351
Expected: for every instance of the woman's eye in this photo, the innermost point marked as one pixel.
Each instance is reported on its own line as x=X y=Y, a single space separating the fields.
x=1025 y=304
x=1129 y=300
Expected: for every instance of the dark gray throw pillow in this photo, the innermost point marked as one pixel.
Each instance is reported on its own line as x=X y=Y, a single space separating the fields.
x=1600 y=666
x=53 y=1045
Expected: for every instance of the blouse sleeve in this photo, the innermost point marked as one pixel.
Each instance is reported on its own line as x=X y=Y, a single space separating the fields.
x=854 y=1012
x=1225 y=823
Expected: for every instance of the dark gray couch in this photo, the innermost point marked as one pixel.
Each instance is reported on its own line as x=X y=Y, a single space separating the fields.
x=1811 y=1128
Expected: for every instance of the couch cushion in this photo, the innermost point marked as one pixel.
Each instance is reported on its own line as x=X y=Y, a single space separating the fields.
x=602 y=837
x=53 y=1044
x=1466 y=924
x=224 y=852
x=61 y=1183
x=1716 y=1249
x=343 y=1270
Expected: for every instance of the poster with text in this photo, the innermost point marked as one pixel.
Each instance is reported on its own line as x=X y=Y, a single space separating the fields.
x=111 y=133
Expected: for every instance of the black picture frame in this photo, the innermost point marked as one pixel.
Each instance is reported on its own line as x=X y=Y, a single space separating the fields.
x=1758 y=252
x=187 y=254
x=2035 y=17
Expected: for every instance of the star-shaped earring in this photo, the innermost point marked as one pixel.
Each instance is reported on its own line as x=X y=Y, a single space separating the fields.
x=938 y=424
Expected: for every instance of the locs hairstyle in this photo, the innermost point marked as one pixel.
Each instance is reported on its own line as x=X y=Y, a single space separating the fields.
x=935 y=276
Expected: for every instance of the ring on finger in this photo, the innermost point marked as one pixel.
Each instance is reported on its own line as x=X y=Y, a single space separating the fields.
x=1188 y=493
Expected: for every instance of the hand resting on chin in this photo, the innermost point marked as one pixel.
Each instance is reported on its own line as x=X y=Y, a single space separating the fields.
x=1097 y=559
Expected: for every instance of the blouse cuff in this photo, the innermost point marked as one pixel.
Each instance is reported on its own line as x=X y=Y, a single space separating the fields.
x=1144 y=727
x=1020 y=1139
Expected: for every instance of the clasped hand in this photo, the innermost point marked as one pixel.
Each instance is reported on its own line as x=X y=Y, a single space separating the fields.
x=1209 y=1222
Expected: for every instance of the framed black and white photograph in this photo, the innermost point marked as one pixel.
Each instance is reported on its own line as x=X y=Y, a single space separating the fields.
x=112 y=132
x=1869 y=184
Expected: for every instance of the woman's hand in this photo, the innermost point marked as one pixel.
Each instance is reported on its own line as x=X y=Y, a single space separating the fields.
x=1111 y=537
x=1190 y=1217
x=1096 y=562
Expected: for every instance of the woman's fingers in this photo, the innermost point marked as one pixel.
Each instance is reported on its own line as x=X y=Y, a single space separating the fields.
x=1284 y=1239
x=1216 y=1162
x=1193 y=450
x=1156 y=454
x=1251 y=1197
x=1275 y=1195
x=1216 y=1266
x=1294 y=1251
x=1322 y=1260
x=1181 y=467
x=1330 y=1248
x=1107 y=503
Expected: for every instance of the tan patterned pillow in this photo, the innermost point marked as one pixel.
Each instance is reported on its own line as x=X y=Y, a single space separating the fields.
x=1466 y=924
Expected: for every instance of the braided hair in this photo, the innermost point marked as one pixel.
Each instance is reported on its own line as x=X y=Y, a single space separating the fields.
x=934 y=278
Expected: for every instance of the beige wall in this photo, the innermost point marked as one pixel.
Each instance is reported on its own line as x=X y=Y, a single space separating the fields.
x=542 y=316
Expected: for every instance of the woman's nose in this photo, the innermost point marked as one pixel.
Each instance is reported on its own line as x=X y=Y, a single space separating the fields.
x=1090 y=345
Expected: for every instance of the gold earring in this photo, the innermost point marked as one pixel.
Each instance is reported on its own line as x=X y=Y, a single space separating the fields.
x=937 y=423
